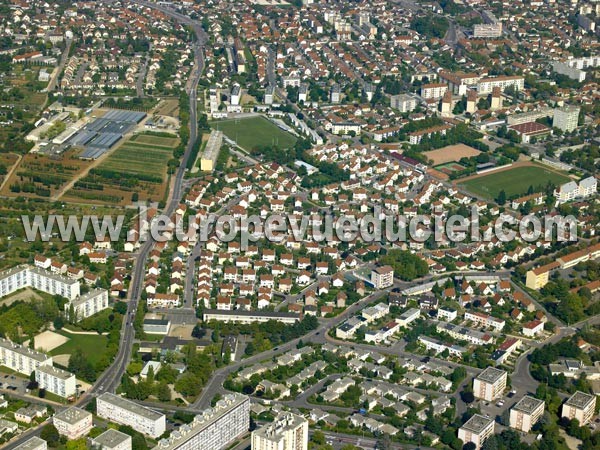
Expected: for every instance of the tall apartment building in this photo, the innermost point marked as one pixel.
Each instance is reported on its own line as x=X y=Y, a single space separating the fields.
x=21 y=359
x=73 y=423
x=579 y=406
x=35 y=443
x=566 y=118
x=489 y=384
x=88 y=304
x=572 y=190
x=526 y=413
x=403 y=102
x=382 y=277
x=487 y=85
x=476 y=430
x=433 y=90
x=111 y=440
x=27 y=276
x=215 y=428
x=125 y=412
x=55 y=380
x=288 y=431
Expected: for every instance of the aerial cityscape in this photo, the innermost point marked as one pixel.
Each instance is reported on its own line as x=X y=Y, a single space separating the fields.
x=299 y=225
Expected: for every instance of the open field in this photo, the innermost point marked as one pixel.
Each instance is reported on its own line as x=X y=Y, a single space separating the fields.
x=254 y=132
x=138 y=165
x=43 y=176
x=25 y=295
x=514 y=180
x=48 y=341
x=168 y=107
x=92 y=346
x=451 y=153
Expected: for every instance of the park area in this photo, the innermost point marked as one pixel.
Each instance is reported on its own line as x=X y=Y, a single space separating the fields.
x=252 y=132
x=136 y=170
x=93 y=346
x=514 y=180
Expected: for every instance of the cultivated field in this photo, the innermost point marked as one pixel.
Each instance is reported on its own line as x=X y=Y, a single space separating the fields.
x=514 y=180
x=451 y=153
x=254 y=132
x=138 y=166
x=43 y=176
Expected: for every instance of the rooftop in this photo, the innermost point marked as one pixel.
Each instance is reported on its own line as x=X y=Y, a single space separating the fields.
x=491 y=375
x=25 y=351
x=110 y=438
x=130 y=406
x=580 y=400
x=528 y=404
x=478 y=424
x=282 y=423
x=55 y=372
x=72 y=415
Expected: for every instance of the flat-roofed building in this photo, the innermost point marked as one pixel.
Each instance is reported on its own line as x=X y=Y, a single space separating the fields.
x=579 y=406
x=239 y=316
x=490 y=384
x=73 y=423
x=35 y=443
x=112 y=440
x=55 y=380
x=214 y=428
x=288 y=431
x=35 y=277
x=382 y=277
x=476 y=430
x=526 y=413
x=21 y=359
x=125 y=412
x=88 y=304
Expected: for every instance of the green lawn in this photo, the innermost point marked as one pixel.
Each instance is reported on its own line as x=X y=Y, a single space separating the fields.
x=515 y=181
x=254 y=132
x=93 y=346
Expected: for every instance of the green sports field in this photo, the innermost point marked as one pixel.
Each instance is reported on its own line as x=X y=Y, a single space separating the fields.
x=254 y=132
x=514 y=182
x=93 y=346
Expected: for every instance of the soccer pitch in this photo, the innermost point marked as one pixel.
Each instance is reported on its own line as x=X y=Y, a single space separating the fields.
x=252 y=132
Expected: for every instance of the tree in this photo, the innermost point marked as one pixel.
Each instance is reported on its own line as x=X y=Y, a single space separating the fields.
x=469 y=446
x=163 y=392
x=50 y=435
x=78 y=444
x=501 y=197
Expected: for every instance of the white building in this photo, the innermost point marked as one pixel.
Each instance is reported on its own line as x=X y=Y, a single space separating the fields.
x=433 y=90
x=572 y=190
x=125 y=412
x=487 y=30
x=476 y=430
x=438 y=346
x=22 y=359
x=214 y=428
x=526 y=413
x=490 y=384
x=239 y=316
x=485 y=320
x=288 y=432
x=55 y=380
x=486 y=85
x=409 y=316
x=575 y=68
x=566 y=118
x=35 y=443
x=382 y=277
x=403 y=102
x=88 y=304
x=73 y=423
x=580 y=406
x=27 y=276
x=112 y=440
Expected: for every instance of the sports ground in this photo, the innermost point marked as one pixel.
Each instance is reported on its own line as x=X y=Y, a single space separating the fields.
x=252 y=132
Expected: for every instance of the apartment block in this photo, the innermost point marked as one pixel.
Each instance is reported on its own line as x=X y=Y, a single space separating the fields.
x=487 y=85
x=403 y=102
x=288 y=431
x=526 y=413
x=112 y=440
x=382 y=277
x=27 y=276
x=487 y=30
x=22 y=359
x=490 y=384
x=215 y=428
x=579 y=406
x=35 y=443
x=566 y=118
x=88 y=304
x=55 y=380
x=433 y=90
x=476 y=430
x=73 y=423
x=125 y=412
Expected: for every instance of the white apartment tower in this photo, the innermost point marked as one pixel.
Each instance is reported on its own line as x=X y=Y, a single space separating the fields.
x=526 y=413
x=490 y=384
x=73 y=423
x=215 y=428
x=125 y=412
x=476 y=430
x=566 y=118
x=579 y=406
x=287 y=432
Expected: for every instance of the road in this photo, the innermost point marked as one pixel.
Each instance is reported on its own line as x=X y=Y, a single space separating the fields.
x=61 y=65
x=111 y=378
